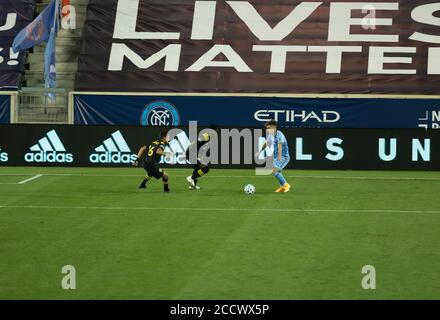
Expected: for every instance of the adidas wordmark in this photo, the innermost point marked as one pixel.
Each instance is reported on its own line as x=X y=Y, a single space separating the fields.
x=3 y=156
x=49 y=149
x=113 y=150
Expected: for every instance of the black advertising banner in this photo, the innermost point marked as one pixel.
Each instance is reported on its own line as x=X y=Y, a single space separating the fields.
x=14 y=16
x=260 y=46
x=108 y=146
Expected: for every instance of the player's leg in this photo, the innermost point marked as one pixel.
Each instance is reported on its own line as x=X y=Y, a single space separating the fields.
x=281 y=180
x=160 y=174
x=199 y=171
x=143 y=184
x=165 y=180
x=154 y=172
x=277 y=171
x=191 y=181
x=146 y=178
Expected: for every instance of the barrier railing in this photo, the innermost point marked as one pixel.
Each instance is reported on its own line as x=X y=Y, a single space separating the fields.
x=13 y=102
x=40 y=105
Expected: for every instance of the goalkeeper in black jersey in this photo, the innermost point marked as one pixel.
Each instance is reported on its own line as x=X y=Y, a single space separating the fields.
x=200 y=169
x=154 y=151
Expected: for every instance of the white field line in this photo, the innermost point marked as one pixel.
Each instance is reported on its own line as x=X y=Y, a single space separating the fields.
x=125 y=209
x=241 y=176
x=31 y=179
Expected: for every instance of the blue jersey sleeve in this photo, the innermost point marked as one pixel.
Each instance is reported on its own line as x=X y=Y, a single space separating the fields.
x=281 y=138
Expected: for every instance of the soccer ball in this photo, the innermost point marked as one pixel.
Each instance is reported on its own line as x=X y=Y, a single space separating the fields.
x=249 y=189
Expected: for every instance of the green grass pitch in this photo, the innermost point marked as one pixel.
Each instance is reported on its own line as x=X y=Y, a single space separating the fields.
x=218 y=243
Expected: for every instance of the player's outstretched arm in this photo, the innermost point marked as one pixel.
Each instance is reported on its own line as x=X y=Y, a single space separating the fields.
x=139 y=155
x=262 y=149
x=141 y=151
x=161 y=152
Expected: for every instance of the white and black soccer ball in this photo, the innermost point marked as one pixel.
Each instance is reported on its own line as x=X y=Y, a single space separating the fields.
x=249 y=189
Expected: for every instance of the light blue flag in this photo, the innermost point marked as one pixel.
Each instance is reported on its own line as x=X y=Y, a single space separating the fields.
x=37 y=31
x=50 y=72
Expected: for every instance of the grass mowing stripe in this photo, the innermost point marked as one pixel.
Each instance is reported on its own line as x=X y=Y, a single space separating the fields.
x=238 y=176
x=222 y=209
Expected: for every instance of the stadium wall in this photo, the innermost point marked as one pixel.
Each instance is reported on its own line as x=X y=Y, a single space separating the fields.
x=116 y=146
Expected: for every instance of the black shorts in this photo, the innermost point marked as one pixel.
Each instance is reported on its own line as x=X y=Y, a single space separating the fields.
x=153 y=170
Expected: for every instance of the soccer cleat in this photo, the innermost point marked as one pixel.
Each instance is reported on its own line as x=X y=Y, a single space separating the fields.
x=142 y=186
x=191 y=182
x=197 y=187
x=286 y=187
x=280 y=190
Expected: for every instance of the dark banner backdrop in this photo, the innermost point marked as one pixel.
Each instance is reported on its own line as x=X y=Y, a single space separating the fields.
x=14 y=16
x=108 y=146
x=118 y=55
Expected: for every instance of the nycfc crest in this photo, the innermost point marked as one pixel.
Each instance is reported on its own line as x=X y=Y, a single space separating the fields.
x=160 y=113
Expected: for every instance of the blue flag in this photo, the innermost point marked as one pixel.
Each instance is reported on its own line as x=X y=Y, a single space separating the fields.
x=50 y=75
x=43 y=28
x=50 y=72
x=37 y=31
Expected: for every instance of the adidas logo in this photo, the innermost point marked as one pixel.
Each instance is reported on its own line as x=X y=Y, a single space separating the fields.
x=49 y=149
x=113 y=150
x=3 y=156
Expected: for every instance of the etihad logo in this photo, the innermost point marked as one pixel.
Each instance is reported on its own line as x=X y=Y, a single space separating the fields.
x=113 y=150
x=3 y=156
x=49 y=149
x=298 y=116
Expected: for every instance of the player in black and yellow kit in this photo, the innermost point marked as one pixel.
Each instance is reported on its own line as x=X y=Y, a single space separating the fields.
x=154 y=151
x=199 y=168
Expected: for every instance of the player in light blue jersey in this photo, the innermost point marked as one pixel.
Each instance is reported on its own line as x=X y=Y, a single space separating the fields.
x=281 y=157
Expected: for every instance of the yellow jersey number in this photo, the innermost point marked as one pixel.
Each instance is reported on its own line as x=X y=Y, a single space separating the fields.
x=151 y=151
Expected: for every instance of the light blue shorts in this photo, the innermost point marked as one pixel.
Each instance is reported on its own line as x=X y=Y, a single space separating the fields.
x=280 y=164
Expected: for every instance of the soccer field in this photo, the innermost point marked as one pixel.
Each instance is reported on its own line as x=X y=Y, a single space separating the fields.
x=218 y=243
